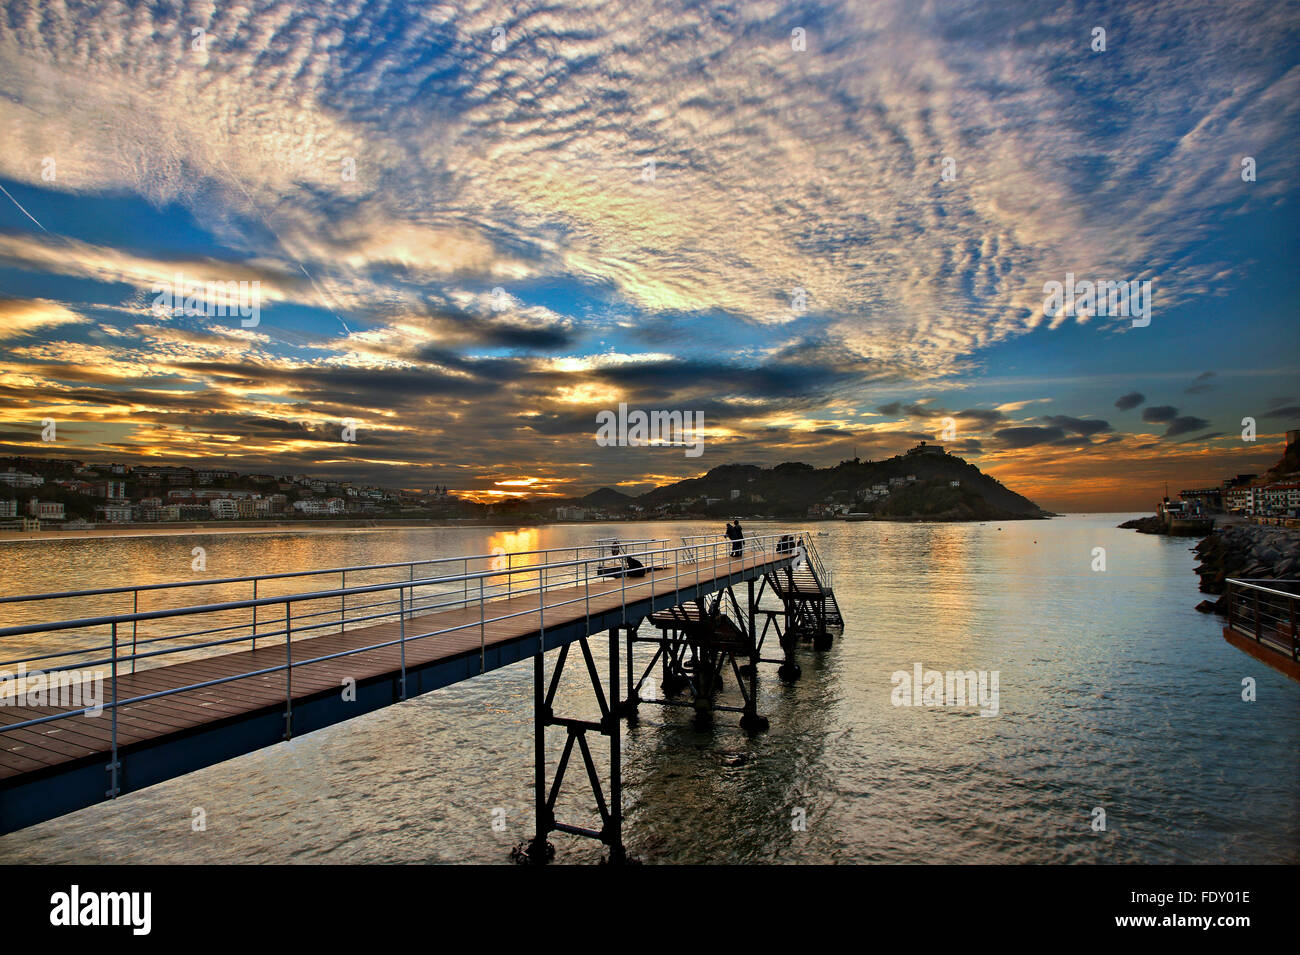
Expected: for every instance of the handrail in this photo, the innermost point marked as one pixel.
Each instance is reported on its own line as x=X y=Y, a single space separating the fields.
x=526 y=569
x=1265 y=614
x=1254 y=584
x=762 y=546
x=217 y=581
x=823 y=575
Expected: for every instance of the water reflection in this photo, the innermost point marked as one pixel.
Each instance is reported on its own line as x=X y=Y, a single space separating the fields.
x=1114 y=692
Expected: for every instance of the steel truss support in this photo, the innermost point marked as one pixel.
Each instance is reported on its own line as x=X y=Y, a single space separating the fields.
x=540 y=850
x=693 y=649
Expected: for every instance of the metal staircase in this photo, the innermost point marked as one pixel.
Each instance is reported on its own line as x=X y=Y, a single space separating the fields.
x=809 y=581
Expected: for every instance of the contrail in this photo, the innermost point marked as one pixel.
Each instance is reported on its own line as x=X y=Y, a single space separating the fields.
x=311 y=278
x=24 y=211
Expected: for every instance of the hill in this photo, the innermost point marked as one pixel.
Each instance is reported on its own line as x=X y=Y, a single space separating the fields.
x=924 y=483
x=606 y=497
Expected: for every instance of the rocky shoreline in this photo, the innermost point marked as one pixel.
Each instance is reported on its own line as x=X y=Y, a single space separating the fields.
x=1145 y=525
x=1245 y=551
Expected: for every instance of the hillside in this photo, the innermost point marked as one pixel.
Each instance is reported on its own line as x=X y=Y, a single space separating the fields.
x=606 y=497
x=922 y=489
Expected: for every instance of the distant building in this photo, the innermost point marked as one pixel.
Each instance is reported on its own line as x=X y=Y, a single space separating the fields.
x=735 y=494
x=45 y=510
x=20 y=479
x=1279 y=500
x=113 y=513
x=8 y=507
x=1203 y=498
x=165 y=475
x=567 y=512
x=212 y=475
x=113 y=490
x=923 y=448
x=224 y=508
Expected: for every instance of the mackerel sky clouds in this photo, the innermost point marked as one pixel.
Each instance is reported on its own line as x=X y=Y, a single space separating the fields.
x=647 y=184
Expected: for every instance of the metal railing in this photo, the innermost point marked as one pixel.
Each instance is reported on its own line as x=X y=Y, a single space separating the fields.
x=1265 y=610
x=800 y=539
x=567 y=574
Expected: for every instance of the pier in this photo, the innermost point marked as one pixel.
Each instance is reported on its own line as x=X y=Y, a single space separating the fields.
x=1262 y=621
x=182 y=685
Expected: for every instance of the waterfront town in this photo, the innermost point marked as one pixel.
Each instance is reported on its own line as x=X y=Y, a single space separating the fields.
x=1273 y=497
x=61 y=494
x=924 y=482
x=36 y=492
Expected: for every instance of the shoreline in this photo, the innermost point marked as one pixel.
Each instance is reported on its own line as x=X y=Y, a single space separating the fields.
x=165 y=529
x=207 y=528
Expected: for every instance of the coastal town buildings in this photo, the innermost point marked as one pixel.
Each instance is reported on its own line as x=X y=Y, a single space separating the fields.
x=15 y=478
x=45 y=510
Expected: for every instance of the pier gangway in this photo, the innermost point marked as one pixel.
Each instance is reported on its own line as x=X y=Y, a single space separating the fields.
x=101 y=702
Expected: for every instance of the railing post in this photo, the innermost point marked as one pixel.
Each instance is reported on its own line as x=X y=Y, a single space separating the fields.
x=113 y=765
x=288 y=672
x=1231 y=602
x=135 y=608
x=1295 y=647
x=343 y=603
x=254 y=614
x=541 y=813
x=614 y=837
x=482 y=631
x=401 y=619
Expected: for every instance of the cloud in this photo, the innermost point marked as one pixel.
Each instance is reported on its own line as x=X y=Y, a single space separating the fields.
x=473 y=163
x=1082 y=426
x=22 y=316
x=1287 y=411
x=1185 y=424
x=524 y=169
x=1159 y=414
x=1201 y=384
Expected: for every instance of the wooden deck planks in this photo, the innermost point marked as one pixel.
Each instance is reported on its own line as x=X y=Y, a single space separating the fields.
x=429 y=637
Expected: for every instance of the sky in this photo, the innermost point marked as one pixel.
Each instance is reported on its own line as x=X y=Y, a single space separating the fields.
x=828 y=229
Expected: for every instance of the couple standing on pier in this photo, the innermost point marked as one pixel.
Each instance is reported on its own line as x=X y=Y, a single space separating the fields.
x=737 y=538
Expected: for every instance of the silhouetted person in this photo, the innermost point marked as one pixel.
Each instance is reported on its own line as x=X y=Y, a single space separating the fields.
x=737 y=541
